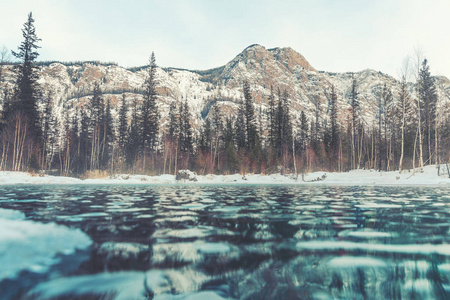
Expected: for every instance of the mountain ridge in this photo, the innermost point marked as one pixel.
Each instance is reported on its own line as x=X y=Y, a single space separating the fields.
x=71 y=85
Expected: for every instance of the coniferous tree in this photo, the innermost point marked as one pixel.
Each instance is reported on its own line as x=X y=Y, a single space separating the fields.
x=272 y=120
x=217 y=131
x=149 y=112
x=108 y=136
x=240 y=130
x=334 y=134
x=428 y=101
x=97 y=111
x=279 y=124
x=381 y=114
x=205 y=136
x=66 y=157
x=403 y=100
x=171 y=138
x=123 y=123
x=21 y=130
x=173 y=121
x=303 y=139
x=231 y=157
x=389 y=123
x=47 y=131
x=354 y=103
x=186 y=143
x=249 y=114
x=27 y=91
x=316 y=131
x=304 y=129
x=205 y=146
x=133 y=140
x=286 y=123
x=84 y=149
x=74 y=137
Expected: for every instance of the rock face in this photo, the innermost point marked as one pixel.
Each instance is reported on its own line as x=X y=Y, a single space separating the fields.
x=71 y=85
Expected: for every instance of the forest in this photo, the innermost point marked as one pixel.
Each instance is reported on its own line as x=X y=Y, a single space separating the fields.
x=410 y=132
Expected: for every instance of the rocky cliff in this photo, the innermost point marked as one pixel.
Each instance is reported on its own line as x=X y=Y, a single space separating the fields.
x=71 y=85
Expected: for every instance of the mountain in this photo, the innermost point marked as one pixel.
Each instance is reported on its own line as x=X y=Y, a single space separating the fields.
x=71 y=85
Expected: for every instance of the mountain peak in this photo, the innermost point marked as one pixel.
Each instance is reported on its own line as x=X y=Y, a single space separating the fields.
x=263 y=65
x=285 y=56
x=291 y=58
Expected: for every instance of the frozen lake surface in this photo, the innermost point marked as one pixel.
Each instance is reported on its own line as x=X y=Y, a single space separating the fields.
x=224 y=242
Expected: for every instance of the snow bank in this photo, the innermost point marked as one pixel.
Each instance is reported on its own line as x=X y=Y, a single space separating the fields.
x=27 y=178
x=355 y=177
x=32 y=246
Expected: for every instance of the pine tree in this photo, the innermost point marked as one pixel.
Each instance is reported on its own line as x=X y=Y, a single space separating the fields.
x=186 y=141
x=27 y=91
x=381 y=112
x=84 y=149
x=286 y=123
x=97 y=111
x=108 y=136
x=66 y=162
x=123 y=122
x=97 y=107
x=249 y=114
x=406 y=117
x=428 y=101
x=74 y=144
x=239 y=127
x=205 y=136
x=279 y=124
x=20 y=125
x=304 y=139
x=272 y=120
x=46 y=128
x=389 y=123
x=231 y=162
x=149 y=113
x=133 y=140
x=304 y=128
x=354 y=103
x=173 y=121
x=334 y=135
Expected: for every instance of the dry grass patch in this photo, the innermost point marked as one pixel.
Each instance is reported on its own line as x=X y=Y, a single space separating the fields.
x=95 y=174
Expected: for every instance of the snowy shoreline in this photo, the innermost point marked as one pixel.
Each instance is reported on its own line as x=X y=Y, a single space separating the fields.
x=355 y=177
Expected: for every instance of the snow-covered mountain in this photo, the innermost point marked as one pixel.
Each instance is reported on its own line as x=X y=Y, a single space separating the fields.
x=71 y=85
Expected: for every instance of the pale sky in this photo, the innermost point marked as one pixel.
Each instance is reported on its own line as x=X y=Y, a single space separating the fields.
x=333 y=35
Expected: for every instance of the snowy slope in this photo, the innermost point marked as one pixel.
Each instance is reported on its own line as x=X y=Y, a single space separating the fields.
x=70 y=86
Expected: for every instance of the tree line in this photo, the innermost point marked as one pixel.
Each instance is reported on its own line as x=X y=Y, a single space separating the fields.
x=409 y=130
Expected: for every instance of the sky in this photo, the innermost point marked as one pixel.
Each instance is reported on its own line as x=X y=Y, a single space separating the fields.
x=333 y=35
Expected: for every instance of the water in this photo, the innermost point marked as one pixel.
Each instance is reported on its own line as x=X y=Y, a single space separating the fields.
x=228 y=242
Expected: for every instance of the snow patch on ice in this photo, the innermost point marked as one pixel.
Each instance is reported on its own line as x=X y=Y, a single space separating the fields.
x=32 y=246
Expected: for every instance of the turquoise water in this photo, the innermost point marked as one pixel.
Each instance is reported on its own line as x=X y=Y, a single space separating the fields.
x=228 y=242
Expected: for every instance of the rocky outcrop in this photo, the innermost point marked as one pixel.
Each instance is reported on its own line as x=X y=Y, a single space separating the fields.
x=71 y=85
x=186 y=175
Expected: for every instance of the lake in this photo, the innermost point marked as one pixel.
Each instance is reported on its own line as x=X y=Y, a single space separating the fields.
x=224 y=242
